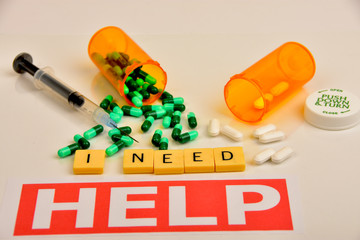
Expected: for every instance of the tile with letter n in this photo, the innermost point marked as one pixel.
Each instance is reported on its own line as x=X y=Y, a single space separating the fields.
x=229 y=159
x=199 y=160
x=138 y=161
x=169 y=161
x=89 y=162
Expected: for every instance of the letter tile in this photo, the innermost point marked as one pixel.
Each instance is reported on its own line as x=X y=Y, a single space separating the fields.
x=199 y=160
x=89 y=161
x=138 y=161
x=169 y=161
x=229 y=159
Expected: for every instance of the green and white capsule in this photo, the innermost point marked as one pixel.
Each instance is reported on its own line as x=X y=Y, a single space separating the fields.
x=135 y=99
x=93 y=132
x=120 y=131
x=192 y=120
x=140 y=82
x=98 y=58
x=155 y=140
x=116 y=58
x=131 y=84
x=167 y=120
x=188 y=136
x=118 y=71
x=144 y=93
x=115 y=116
x=116 y=147
x=150 y=88
x=107 y=68
x=84 y=144
x=69 y=150
x=126 y=139
x=147 y=124
x=156 y=114
x=126 y=89
x=131 y=111
x=147 y=77
x=116 y=109
x=164 y=143
x=136 y=93
x=106 y=102
x=170 y=107
x=147 y=108
x=176 y=132
x=177 y=100
x=175 y=118
x=165 y=95
x=125 y=129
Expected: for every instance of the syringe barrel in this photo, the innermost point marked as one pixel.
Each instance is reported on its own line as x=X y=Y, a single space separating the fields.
x=45 y=80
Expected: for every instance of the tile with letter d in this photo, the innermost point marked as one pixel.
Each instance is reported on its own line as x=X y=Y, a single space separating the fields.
x=89 y=161
x=229 y=159
x=138 y=161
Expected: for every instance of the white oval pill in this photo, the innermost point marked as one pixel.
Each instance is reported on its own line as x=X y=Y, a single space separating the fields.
x=231 y=133
x=214 y=127
x=272 y=136
x=265 y=129
x=263 y=156
x=282 y=155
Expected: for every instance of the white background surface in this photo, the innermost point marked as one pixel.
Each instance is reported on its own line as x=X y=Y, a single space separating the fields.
x=200 y=44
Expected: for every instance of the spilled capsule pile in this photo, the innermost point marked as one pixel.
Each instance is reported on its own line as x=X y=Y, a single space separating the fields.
x=138 y=86
x=169 y=114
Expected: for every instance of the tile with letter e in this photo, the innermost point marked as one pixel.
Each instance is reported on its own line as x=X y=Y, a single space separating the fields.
x=89 y=161
x=138 y=161
x=169 y=161
x=198 y=160
x=229 y=159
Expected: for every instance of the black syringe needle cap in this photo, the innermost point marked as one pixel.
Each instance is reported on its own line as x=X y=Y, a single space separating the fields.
x=23 y=63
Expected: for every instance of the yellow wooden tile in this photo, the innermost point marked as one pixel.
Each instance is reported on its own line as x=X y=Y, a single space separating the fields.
x=89 y=162
x=229 y=159
x=138 y=161
x=168 y=161
x=199 y=160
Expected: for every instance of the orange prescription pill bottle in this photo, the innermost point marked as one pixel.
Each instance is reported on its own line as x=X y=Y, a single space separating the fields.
x=138 y=78
x=263 y=86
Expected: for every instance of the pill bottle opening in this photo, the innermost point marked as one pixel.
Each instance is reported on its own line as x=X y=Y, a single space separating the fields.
x=245 y=99
x=152 y=68
x=117 y=56
x=296 y=62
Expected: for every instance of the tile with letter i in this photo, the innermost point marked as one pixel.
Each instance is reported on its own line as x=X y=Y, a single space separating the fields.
x=199 y=160
x=138 y=161
x=89 y=162
x=169 y=162
x=229 y=159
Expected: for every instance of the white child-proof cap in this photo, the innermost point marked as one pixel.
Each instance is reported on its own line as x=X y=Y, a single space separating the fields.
x=332 y=109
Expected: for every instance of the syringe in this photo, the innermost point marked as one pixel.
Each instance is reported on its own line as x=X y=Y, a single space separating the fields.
x=46 y=80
